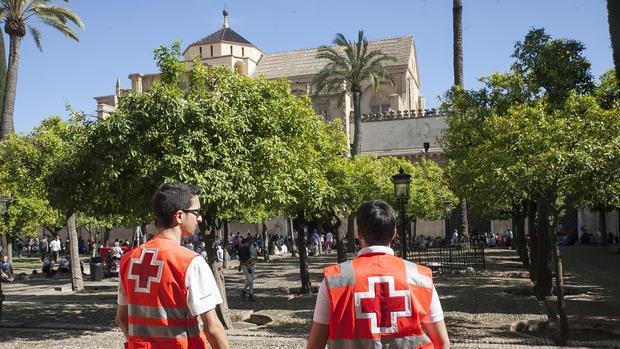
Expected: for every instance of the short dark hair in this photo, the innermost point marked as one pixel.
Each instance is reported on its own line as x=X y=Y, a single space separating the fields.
x=376 y=221
x=170 y=198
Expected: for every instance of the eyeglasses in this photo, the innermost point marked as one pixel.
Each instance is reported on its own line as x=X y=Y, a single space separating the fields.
x=195 y=211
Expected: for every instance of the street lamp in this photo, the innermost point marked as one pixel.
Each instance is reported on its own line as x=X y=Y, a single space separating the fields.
x=448 y=207
x=4 y=213
x=401 y=182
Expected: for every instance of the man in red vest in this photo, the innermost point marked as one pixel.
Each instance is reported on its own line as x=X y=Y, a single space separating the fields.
x=164 y=287
x=377 y=300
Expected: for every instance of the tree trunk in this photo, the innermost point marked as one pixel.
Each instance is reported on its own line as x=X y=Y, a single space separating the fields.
x=225 y=245
x=340 y=235
x=2 y=77
x=106 y=235
x=522 y=248
x=9 y=247
x=544 y=284
x=357 y=121
x=218 y=273
x=306 y=286
x=265 y=242
x=457 y=27
x=77 y=283
x=351 y=233
x=613 y=18
x=533 y=243
x=293 y=238
x=10 y=87
x=603 y=228
x=464 y=220
x=559 y=284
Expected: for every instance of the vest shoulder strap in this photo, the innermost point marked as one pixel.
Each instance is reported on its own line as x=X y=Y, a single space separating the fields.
x=339 y=275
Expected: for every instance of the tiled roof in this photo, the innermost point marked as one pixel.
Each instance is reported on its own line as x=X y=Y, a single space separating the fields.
x=304 y=62
x=224 y=34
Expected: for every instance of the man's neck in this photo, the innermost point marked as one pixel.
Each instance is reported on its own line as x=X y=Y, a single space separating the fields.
x=170 y=233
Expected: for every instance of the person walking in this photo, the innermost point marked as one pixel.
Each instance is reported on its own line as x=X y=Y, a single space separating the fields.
x=377 y=300
x=246 y=264
x=165 y=287
x=55 y=249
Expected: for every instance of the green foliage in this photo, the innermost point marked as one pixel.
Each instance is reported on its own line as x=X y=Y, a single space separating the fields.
x=256 y=149
x=552 y=67
x=367 y=177
x=25 y=163
x=167 y=60
x=536 y=132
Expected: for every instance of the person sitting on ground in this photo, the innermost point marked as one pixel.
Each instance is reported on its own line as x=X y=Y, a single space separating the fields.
x=65 y=265
x=6 y=269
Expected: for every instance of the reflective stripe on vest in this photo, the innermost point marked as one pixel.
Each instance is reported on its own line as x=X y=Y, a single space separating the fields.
x=359 y=343
x=177 y=332
x=415 y=278
x=161 y=313
x=345 y=278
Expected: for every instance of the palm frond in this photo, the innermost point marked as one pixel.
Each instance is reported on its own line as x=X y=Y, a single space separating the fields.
x=61 y=27
x=64 y=14
x=340 y=40
x=31 y=6
x=354 y=64
x=36 y=35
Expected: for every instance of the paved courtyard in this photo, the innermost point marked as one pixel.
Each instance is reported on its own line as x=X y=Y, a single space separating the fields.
x=479 y=308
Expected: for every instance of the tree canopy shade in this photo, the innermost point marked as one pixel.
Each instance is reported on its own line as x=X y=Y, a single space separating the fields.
x=18 y=16
x=541 y=136
x=25 y=164
x=349 y=64
x=255 y=149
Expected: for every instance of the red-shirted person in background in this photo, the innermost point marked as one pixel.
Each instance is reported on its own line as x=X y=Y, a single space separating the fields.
x=165 y=287
x=377 y=300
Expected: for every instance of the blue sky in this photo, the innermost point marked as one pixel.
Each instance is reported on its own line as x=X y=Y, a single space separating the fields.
x=120 y=36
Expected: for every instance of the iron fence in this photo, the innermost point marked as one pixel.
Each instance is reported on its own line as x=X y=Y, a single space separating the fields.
x=450 y=258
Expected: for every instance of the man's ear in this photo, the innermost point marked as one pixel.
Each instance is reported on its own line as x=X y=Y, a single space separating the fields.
x=394 y=234
x=178 y=217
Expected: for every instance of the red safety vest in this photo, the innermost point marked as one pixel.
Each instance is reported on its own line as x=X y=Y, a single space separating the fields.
x=377 y=301
x=153 y=277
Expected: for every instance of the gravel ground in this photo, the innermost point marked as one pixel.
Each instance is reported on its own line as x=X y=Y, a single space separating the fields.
x=478 y=309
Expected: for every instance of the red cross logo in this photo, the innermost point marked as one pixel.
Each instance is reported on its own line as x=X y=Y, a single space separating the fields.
x=382 y=304
x=145 y=270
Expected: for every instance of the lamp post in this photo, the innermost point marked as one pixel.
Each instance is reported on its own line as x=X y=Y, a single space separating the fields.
x=401 y=182
x=4 y=213
x=448 y=207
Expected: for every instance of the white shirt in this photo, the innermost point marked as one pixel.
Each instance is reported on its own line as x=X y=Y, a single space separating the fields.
x=321 y=309
x=55 y=245
x=202 y=292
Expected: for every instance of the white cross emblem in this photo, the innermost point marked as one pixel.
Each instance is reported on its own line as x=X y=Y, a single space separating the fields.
x=145 y=270
x=382 y=304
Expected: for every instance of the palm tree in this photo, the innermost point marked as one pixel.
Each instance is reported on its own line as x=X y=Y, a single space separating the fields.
x=457 y=27
x=613 y=13
x=17 y=14
x=349 y=64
